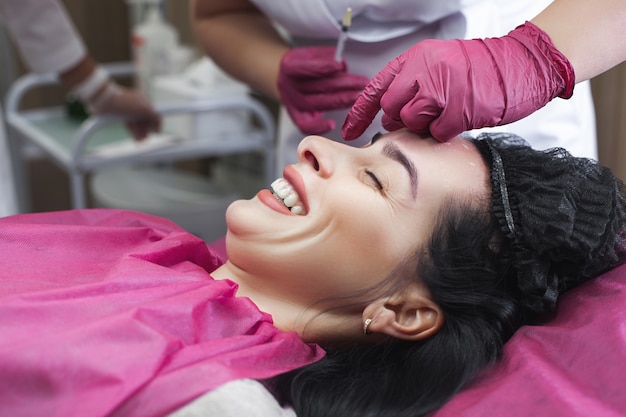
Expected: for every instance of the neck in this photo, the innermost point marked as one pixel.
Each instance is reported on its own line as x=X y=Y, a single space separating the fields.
x=285 y=313
x=313 y=324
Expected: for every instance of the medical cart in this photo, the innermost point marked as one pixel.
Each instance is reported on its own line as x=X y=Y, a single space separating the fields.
x=102 y=142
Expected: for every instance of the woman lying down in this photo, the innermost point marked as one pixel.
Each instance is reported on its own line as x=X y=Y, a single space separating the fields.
x=373 y=281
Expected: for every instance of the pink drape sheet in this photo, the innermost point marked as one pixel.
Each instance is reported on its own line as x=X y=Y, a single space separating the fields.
x=111 y=312
x=572 y=366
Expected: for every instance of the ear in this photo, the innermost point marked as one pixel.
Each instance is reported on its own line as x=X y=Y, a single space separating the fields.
x=408 y=315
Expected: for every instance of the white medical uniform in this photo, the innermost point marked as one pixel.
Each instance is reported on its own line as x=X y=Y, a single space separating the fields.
x=48 y=42
x=383 y=29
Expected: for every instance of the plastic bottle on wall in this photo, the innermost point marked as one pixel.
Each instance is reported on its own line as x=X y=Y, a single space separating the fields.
x=153 y=43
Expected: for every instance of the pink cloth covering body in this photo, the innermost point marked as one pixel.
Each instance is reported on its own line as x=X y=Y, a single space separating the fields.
x=572 y=366
x=110 y=312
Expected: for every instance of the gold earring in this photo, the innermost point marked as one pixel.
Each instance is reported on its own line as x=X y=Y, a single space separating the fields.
x=366 y=325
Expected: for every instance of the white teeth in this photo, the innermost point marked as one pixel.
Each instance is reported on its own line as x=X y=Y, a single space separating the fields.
x=291 y=199
x=285 y=192
x=297 y=209
x=281 y=188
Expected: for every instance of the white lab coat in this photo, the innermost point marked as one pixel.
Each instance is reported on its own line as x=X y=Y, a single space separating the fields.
x=48 y=42
x=383 y=29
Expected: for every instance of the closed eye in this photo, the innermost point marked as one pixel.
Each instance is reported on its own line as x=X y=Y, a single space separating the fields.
x=374 y=178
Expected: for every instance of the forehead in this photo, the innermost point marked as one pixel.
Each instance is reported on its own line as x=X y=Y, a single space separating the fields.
x=453 y=169
x=458 y=150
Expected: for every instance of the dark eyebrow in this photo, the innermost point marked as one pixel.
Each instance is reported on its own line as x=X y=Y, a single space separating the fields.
x=391 y=150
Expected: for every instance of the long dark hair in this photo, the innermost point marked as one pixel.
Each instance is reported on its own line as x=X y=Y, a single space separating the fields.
x=464 y=268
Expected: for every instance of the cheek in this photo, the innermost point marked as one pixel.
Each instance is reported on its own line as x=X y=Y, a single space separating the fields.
x=367 y=256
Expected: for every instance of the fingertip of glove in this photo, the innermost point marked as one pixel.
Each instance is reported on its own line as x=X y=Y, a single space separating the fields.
x=440 y=135
x=350 y=131
x=390 y=124
x=347 y=135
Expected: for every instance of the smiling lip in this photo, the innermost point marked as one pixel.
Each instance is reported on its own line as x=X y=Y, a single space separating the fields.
x=267 y=197
x=294 y=177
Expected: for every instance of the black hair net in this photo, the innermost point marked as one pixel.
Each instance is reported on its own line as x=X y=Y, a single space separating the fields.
x=564 y=217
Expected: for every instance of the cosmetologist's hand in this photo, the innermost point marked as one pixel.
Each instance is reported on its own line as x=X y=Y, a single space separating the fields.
x=311 y=82
x=448 y=87
x=117 y=100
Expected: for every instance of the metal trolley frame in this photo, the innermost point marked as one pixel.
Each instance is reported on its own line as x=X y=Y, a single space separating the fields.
x=75 y=146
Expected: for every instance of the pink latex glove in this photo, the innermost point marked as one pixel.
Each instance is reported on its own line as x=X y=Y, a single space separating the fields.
x=448 y=87
x=310 y=82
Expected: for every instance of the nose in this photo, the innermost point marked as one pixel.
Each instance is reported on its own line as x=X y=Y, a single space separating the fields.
x=319 y=153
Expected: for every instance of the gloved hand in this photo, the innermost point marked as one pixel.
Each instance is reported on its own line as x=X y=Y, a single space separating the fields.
x=117 y=100
x=448 y=87
x=310 y=82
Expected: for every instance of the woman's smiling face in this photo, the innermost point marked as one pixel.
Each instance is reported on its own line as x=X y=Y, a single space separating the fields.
x=362 y=212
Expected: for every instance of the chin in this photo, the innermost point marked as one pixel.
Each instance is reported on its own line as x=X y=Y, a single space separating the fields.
x=246 y=218
x=233 y=215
